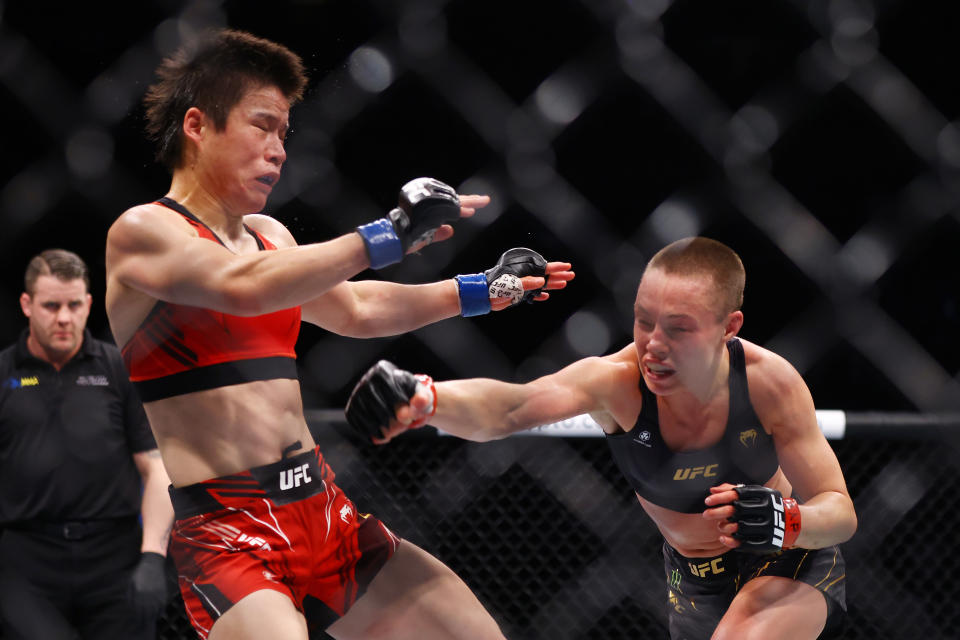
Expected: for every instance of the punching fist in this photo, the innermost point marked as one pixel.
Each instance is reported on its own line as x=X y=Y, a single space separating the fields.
x=758 y=518
x=505 y=281
x=424 y=206
x=374 y=400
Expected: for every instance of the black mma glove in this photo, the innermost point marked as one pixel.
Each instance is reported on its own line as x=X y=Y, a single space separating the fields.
x=766 y=521
x=501 y=281
x=425 y=204
x=373 y=401
x=147 y=591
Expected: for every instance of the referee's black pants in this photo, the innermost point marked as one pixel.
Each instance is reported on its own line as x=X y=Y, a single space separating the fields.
x=70 y=586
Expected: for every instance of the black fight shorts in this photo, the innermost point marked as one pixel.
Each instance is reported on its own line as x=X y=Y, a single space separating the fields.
x=700 y=590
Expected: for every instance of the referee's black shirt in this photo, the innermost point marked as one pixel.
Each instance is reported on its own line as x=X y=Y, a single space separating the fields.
x=67 y=437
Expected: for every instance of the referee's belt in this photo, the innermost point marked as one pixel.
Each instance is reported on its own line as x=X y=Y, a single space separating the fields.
x=72 y=529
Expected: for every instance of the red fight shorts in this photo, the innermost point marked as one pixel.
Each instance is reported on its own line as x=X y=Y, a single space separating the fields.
x=283 y=526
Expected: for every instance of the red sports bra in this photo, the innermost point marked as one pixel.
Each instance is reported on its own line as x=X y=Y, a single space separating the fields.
x=181 y=349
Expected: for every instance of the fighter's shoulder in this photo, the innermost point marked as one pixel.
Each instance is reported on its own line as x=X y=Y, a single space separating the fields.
x=273 y=229
x=770 y=376
x=625 y=358
x=611 y=371
x=145 y=220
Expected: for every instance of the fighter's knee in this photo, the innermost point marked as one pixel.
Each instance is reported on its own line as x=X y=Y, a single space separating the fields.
x=738 y=628
x=262 y=614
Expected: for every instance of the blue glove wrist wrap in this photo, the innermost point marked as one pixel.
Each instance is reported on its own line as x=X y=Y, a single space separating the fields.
x=383 y=246
x=474 y=294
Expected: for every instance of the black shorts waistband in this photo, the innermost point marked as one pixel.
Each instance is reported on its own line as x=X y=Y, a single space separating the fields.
x=288 y=480
x=73 y=529
x=709 y=568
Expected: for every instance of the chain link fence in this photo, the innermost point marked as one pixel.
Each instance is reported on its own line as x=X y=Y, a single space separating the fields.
x=818 y=138
x=554 y=543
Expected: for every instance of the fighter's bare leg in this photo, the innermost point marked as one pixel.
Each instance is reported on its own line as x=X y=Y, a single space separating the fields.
x=261 y=614
x=416 y=597
x=774 y=608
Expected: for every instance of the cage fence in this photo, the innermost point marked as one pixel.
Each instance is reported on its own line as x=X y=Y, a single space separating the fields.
x=553 y=542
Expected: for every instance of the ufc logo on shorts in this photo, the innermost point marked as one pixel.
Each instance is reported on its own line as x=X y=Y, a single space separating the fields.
x=778 y=521
x=704 y=569
x=290 y=478
x=254 y=541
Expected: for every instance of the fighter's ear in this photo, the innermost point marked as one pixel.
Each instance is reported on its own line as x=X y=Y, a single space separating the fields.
x=194 y=121
x=733 y=323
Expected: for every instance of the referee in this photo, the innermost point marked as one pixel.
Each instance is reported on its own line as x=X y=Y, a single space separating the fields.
x=74 y=446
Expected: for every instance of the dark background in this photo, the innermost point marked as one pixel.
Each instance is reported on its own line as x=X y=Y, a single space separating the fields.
x=818 y=139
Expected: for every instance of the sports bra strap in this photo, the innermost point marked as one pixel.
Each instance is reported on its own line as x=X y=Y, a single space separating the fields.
x=170 y=203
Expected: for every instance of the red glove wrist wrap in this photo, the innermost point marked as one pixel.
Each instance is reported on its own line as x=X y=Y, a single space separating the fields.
x=427 y=381
x=791 y=515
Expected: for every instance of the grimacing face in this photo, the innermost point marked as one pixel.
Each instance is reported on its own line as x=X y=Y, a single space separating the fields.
x=679 y=332
x=57 y=313
x=241 y=163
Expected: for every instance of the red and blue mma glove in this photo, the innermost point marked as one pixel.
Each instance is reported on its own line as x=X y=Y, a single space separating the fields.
x=766 y=521
x=501 y=281
x=424 y=205
x=374 y=400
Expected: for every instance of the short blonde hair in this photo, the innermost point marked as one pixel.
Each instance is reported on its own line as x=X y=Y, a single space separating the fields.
x=703 y=256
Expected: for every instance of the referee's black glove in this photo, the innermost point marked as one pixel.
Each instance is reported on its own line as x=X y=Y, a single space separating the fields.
x=147 y=591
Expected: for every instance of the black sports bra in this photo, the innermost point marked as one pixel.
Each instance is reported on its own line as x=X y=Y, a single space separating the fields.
x=680 y=480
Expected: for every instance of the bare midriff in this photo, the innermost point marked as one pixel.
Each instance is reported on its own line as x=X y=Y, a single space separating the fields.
x=218 y=432
x=690 y=533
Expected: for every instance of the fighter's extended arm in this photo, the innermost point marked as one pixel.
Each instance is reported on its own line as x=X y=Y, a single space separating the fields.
x=150 y=249
x=388 y=401
x=371 y=308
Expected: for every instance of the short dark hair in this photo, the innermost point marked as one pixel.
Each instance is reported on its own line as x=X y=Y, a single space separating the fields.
x=213 y=73
x=703 y=256
x=60 y=263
